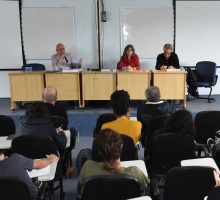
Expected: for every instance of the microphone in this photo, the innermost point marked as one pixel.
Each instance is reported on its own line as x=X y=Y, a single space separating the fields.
x=66 y=59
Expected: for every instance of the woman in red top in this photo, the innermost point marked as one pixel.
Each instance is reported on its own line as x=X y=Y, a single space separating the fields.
x=129 y=59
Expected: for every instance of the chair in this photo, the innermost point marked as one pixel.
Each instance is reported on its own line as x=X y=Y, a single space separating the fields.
x=35 y=67
x=102 y=119
x=36 y=147
x=206 y=77
x=7 y=126
x=129 y=151
x=149 y=125
x=109 y=187
x=167 y=151
x=214 y=194
x=13 y=188
x=191 y=183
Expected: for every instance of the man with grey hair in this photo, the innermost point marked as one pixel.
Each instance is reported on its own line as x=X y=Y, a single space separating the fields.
x=153 y=106
x=50 y=99
x=168 y=59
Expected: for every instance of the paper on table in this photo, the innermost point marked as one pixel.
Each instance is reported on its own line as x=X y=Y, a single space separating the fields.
x=39 y=172
x=173 y=70
x=72 y=70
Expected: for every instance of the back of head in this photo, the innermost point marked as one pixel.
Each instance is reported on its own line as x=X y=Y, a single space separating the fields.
x=50 y=94
x=168 y=47
x=180 y=122
x=120 y=101
x=37 y=109
x=152 y=94
x=109 y=146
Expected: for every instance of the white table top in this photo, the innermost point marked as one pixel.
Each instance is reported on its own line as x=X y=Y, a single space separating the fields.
x=141 y=198
x=50 y=176
x=4 y=143
x=67 y=133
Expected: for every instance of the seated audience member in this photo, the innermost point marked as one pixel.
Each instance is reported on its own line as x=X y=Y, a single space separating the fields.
x=129 y=59
x=54 y=108
x=64 y=60
x=215 y=192
x=168 y=59
x=179 y=122
x=153 y=106
x=37 y=122
x=120 y=101
x=16 y=166
x=109 y=145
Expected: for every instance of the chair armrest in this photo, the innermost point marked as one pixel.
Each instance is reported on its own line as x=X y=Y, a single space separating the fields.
x=154 y=189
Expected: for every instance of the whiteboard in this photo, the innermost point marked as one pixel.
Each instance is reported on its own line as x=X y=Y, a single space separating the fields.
x=10 y=35
x=44 y=28
x=147 y=29
x=197 y=31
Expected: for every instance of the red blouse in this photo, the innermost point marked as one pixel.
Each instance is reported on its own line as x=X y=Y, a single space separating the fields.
x=133 y=62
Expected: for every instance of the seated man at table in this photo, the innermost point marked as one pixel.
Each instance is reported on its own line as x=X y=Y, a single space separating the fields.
x=55 y=108
x=168 y=59
x=120 y=101
x=16 y=166
x=65 y=60
x=153 y=106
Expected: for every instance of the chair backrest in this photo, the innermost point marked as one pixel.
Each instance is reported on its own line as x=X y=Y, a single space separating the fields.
x=118 y=65
x=35 y=67
x=191 y=183
x=129 y=151
x=7 y=125
x=108 y=187
x=168 y=150
x=206 y=124
x=214 y=194
x=13 y=188
x=59 y=121
x=207 y=70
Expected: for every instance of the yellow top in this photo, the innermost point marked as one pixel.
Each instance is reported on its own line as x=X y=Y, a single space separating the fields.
x=123 y=125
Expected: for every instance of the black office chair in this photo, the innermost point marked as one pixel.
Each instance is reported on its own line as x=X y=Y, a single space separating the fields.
x=7 y=125
x=102 y=119
x=35 y=67
x=36 y=147
x=129 y=151
x=191 y=183
x=149 y=125
x=167 y=151
x=214 y=194
x=109 y=187
x=12 y=188
x=205 y=77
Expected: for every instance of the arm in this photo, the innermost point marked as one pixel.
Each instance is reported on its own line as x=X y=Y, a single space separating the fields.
x=38 y=164
x=159 y=62
x=121 y=63
x=56 y=63
x=217 y=178
x=137 y=62
x=176 y=61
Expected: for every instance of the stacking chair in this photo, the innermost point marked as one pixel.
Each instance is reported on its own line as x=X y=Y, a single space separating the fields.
x=36 y=147
x=12 y=188
x=191 y=183
x=7 y=126
x=35 y=67
x=109 y=187
x=206 y=77
x=102 y=119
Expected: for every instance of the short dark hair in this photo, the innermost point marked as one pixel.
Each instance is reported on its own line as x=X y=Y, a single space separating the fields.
x=109 y=146
x=127 y=47
x=180 y=122
x=152 y=94
x=37 y=109
x=120 y=101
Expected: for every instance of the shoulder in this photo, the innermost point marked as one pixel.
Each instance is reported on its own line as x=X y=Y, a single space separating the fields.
x=160 y=55
x=54 y=55
x=174 y=54
x=135 y=56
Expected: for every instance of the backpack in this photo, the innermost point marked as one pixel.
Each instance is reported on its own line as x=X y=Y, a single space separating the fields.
x=82 y=157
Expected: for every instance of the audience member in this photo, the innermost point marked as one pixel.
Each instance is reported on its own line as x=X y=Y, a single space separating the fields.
x=64 y=60
x=120 y=101
x=37 y=122
x=215 y=192
x=129 y=59
x=168 y=59
x=16 y=166
x=153 y=106
x=109 y=145
x=55 y=108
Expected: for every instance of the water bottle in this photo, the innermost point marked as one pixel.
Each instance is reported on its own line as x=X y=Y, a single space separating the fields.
x=182 y=69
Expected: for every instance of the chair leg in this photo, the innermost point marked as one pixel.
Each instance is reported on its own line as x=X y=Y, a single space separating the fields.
x=62 y=194
x=210 y=100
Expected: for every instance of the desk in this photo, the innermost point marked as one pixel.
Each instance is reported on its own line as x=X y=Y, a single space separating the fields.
x=97 y=85
x=4 y=143
x=50 y=176
x=26 y=86
x=66 y=83
x=68 y=137
x=135 y=82
x=172 y=85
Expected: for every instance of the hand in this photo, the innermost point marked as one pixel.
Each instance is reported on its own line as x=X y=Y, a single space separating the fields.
x=53 y=157
x=171 y=67
x=129 y=68
x=80 y=61
x=217 y=178
x=163 y=67
x=62 y=56
x=59 y=129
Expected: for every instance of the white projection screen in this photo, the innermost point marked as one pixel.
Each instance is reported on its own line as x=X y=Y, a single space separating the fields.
x=198 y=31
